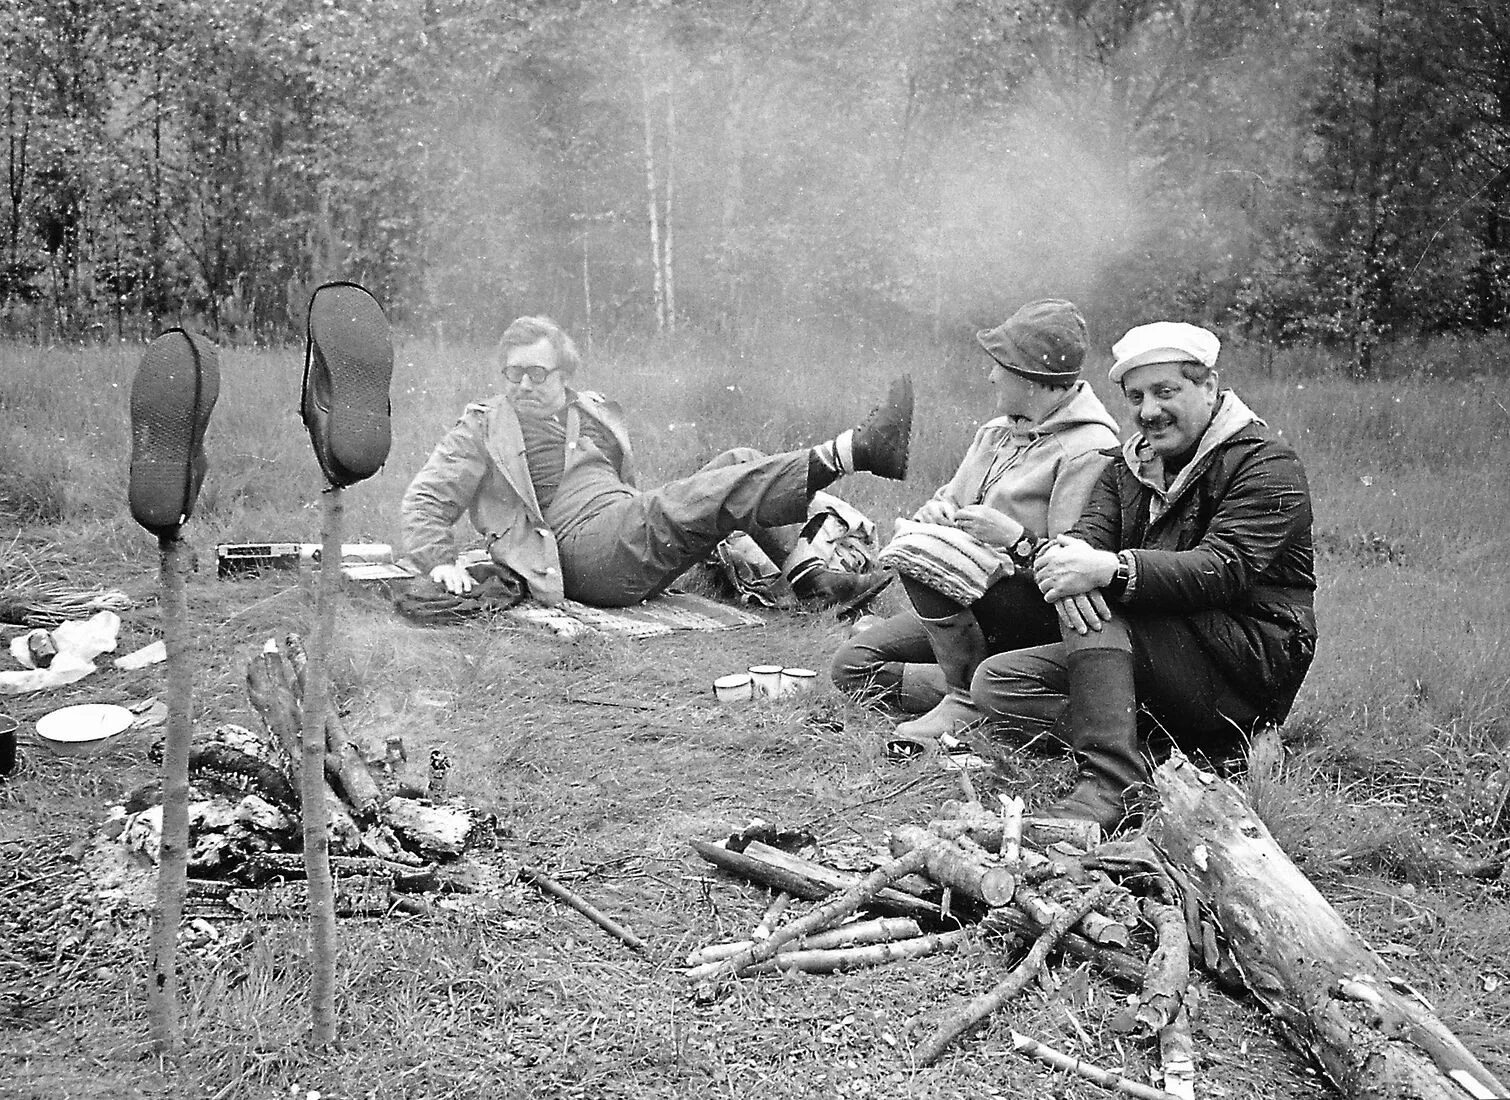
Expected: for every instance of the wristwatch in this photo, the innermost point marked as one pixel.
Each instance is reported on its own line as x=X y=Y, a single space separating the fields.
x=1023 y=549
x=1120 y=578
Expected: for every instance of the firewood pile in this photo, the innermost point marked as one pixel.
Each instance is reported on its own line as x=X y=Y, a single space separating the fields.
x=394 y=832
x=1203 y=884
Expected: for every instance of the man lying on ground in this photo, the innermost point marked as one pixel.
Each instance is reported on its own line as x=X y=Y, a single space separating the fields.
x=1186 y=587
x=1025 y=477
x=545 y=472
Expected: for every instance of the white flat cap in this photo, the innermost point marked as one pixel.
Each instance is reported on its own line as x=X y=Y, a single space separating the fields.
x=1164 y=342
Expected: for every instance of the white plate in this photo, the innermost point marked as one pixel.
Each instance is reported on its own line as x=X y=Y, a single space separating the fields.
x=83 y=723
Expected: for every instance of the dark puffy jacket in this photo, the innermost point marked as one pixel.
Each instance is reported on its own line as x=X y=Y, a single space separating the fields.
x=1233 y=552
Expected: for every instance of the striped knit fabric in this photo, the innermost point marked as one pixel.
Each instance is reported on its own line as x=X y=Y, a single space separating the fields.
x=946 y=559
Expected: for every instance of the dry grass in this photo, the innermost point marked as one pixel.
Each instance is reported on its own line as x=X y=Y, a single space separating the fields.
x=1398 y=727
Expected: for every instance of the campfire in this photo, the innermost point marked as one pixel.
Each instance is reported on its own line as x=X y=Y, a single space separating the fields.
x=395 y=832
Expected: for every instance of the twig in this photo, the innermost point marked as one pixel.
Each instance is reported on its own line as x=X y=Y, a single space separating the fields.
x=544 y=882
x=772 y=915
x=1049 y=1056
x=966 y=1016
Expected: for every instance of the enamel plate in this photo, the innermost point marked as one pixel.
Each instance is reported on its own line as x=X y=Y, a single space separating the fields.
x=82 y=724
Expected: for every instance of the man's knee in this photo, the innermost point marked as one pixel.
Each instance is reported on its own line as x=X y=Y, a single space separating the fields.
x=1114 y=634
x=856 y=666
x=733 y=457
x=1007 y=684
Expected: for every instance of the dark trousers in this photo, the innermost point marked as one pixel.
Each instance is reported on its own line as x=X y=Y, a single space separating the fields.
x=1177 y=684
x=636 y=546
x=1012 y=614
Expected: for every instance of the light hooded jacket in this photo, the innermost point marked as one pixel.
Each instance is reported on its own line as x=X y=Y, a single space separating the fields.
x=479 y=468
x=1227 y=543
x=1040 y=477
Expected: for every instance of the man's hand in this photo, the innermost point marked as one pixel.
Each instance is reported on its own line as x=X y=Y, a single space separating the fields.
x=988 y=525
x=1072 y=567
x=453 y=578
x=1083 y=613
x=938 y=510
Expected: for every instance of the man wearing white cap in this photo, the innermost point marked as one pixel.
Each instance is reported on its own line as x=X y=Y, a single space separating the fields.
x=1186 y=587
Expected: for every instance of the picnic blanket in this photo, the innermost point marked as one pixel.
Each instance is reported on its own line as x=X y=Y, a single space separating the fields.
x=665 y=614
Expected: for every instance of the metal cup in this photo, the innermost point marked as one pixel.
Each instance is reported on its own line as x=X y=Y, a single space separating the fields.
x=734 y=688
x=796 y=681
x=766 y=680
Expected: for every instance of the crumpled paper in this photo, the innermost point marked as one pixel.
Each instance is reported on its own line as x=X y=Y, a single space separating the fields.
x=78 y=642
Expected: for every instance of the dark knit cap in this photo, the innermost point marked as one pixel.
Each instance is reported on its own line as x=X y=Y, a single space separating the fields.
x=1045 y=340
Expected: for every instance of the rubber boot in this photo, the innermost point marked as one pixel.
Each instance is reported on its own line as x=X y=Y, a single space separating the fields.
x=1103 y=732
x=920 y=688
x=959 y=646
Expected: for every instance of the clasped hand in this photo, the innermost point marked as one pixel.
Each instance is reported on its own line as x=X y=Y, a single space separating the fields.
x=1071 y=573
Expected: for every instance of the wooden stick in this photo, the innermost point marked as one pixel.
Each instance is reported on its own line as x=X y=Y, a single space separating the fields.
x=1122 y=967
x=853 y=958
x=879 y=930
x=1011 y=828
x=804 y=878
x=1096 y=927
x=544 y=882
x=949 y=866
x=312 y=785
x=772 y=915
x=1104 y=1077
x=820 y=918
x=173 y=855
x=1177 y=1056
x=1168 y=969
x=971 y=1013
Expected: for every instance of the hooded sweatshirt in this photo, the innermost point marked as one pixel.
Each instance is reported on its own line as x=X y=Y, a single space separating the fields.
x=1040 y=475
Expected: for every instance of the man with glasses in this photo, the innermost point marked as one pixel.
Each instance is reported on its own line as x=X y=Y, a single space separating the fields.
x=545 y=473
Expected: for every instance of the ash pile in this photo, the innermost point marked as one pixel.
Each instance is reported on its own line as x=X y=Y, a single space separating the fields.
x=397 y=837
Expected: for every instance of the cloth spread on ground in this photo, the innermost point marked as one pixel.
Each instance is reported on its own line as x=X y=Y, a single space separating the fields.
x=665 y=614
x=946 y=559
x=498 y=588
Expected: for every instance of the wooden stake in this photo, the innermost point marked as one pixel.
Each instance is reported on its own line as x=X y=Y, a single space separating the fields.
x=544 y=882
x=1177 y=1056
x=1011 y=828
x=312 y=786
x=971 y=1013
x=173 y=856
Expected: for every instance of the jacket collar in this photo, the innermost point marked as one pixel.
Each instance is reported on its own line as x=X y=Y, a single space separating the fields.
x=1079 y=405
x=1231 y=416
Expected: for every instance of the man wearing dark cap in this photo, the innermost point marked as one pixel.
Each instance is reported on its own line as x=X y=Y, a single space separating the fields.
x=1185 y=590
x=963 y=556
x=545 y=473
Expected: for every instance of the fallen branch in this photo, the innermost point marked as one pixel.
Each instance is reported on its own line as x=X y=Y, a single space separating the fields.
x=968 y=1015
x=1096 y=927
x=1177 y=1056
x=544 y=882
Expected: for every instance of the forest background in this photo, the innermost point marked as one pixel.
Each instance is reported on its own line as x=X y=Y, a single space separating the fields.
x=1296 y=171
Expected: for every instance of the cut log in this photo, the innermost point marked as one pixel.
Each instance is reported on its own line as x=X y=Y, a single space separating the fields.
x=802 y=878
x=1122 y=967
x=947 y=865
x=1337 y=1000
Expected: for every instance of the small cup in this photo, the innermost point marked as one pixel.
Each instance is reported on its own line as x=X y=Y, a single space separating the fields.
x=796 y=681
x=766 y=680
x=734 y=688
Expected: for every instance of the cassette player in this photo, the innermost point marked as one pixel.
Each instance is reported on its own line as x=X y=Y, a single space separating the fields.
x=234 y=559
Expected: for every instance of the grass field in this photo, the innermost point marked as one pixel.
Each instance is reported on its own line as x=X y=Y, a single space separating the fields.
x=1397 y=744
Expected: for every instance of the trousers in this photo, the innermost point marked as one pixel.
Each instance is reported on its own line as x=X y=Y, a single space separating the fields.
x=1188 y=699
x=634 y=547
x=869 y=665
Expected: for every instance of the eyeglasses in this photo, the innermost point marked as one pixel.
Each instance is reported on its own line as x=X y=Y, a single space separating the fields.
x=538 y=375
